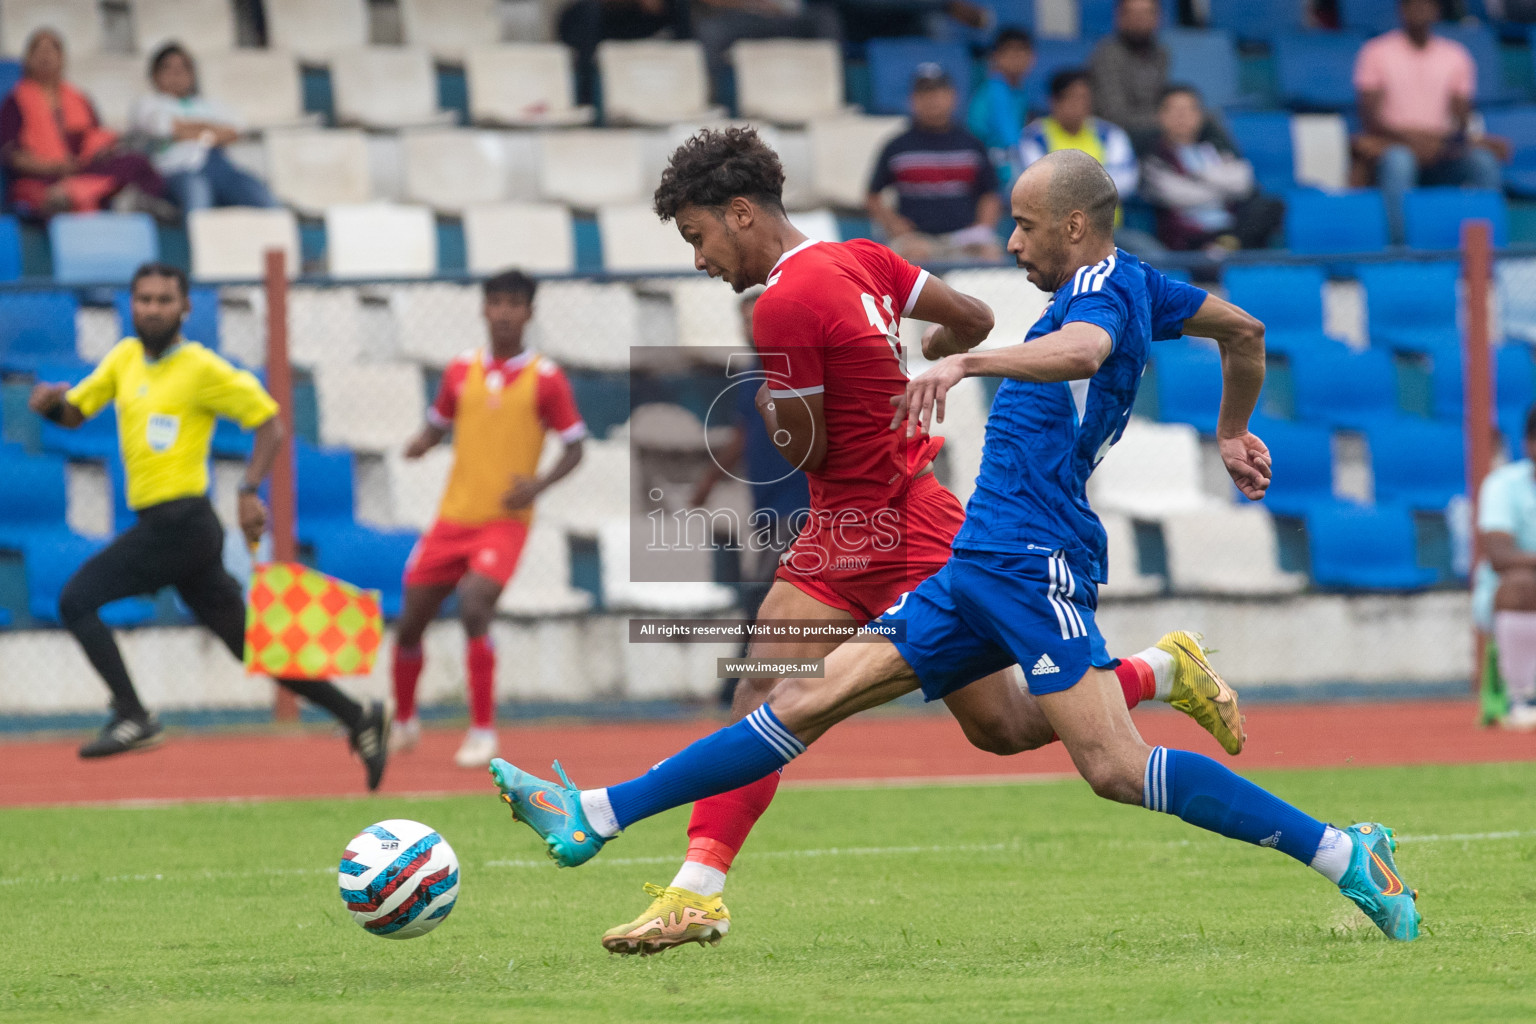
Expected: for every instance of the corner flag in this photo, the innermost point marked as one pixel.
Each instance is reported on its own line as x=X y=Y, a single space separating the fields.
x=303 y=624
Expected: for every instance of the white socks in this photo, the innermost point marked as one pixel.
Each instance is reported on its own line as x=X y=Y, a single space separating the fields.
x=1515 y=633
x=1161 y=663
x=1333 y=854
x=599 y=812
x=481 y=734
x=699 y=878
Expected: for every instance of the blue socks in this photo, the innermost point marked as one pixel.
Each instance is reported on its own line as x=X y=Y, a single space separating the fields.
x=1203 y=793
x=727 y=759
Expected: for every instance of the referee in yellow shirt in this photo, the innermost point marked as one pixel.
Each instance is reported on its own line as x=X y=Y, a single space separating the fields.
x=169 y=392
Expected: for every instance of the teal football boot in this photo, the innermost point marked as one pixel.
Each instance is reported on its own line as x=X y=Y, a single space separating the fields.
x=553 y=810
x=1374 y=885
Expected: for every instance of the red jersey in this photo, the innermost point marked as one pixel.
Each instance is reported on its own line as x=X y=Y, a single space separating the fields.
x=829 y=323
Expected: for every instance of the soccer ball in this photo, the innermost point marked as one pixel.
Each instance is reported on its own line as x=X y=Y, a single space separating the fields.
x=399 y=878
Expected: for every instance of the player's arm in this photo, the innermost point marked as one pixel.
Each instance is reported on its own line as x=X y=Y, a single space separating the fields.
x=1240 y=337
x=48 y=401
x=428 y=437
x=960 y=321
x=1504 y=553
x=525 y=489
x=797 y=426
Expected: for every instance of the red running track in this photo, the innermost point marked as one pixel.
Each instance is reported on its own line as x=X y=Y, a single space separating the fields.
x=890 y=747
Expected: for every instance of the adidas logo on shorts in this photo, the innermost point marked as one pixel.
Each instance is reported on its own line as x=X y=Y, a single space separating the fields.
x=1044 y=667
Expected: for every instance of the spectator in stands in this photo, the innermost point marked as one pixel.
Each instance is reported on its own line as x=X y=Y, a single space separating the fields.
x=585 y=23
x=863 y=20
x=1001 y=106
x=947 y=203
x=1130 y=71
x=1504 y=592
x=187 y=133
x=1416 y=93
x=719 y=23
x=1204 y=194
x=58 y=155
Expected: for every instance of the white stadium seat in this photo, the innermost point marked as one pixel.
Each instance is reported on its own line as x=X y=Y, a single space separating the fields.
x=77 y=21
x=112 y=81
x=324 y=326
x=586 y=323
x=415 y=486
x=818 y=224
x=794 y=148
x=373 y=407
x=542 y=583
x=1226 y=549
x=634 y=239
x=1016 y=304
x=315 y=29
x=788 y=81
x=536 y=237
x=436 y=321
x=964 y=427
x=522 y=84
x=380 y=240
x=619 y=540
x=1153 y=471
x=202 y=26
x=453 y=168
x=386 y=87
x=589 y=168
x=1517 y=299
x=653 y=81
x=843 y=154
x=1125 y=576
x=596 y=491
x=707 y=313
x=262 y=86
x=313 y=168
x=230 y=243
x=449 y=30
x=1321 y=146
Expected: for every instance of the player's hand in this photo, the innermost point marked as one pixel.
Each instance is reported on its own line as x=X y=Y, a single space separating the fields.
x=1247 y=461
x=253 y=517
x=46 y=396
x=521 y=494
x=419 y=446
x=922 y=403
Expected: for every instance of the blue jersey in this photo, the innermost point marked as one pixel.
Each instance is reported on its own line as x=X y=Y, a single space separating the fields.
x=1044 y=440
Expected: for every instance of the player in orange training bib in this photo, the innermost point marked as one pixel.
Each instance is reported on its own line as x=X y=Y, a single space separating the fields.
x=499 y=402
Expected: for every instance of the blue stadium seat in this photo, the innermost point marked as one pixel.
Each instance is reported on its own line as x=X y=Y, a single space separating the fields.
x=36 y=327
x=374 y=559
x=1372 y=17
x=893 y=61
x=1206 y=60
x=1518 y=125
x=10 y=249
x=1005 y=14
x=96 y=438
x=1418 y=463
x=1316 y=69
x=1288 y=299
x=201 y=325
x=1483 y=44
x=1360 y=547
x=1259 y=20
x=230 y=442
x=1188 y=383
x=1302 y=455
x=51 y=559
x=1264 y=138
x=1051 y=56
x=1343 y=388
x=1434 y=216
x=33 y=499
x=1096 y=18
x=1411 y=307
x=1335 y=222
x=1514 y=386
x=101 y=248
x=10 y=74
x=323 y=479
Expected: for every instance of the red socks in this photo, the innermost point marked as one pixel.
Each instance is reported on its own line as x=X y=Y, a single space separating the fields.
x=720 y=824
x=481 y=658
x=1137 y=680
x=407 y=669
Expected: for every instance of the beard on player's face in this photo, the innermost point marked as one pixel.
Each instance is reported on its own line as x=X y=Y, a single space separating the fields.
x=155 y=333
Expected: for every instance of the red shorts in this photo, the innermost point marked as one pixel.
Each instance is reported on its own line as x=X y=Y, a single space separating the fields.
x=862 y=562
x=449 y=550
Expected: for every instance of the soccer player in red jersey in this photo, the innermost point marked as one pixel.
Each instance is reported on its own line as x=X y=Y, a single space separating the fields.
x=499 y=402
x=827 y=330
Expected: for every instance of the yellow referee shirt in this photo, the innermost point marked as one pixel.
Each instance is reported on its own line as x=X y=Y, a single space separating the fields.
x=166 y=410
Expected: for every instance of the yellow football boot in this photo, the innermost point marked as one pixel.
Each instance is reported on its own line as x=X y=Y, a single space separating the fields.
x=1200 y=693
x=674 y=917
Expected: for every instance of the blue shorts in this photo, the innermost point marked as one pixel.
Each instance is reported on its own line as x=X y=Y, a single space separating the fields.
x=984 y=611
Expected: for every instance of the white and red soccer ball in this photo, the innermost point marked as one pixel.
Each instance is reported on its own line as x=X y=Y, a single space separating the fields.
x=399 y=878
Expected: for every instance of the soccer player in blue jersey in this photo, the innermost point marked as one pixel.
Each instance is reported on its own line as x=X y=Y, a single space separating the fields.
x=1021 y=585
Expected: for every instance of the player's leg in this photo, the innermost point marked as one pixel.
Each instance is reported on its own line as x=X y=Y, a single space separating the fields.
x=493 y=553
x=436 y=564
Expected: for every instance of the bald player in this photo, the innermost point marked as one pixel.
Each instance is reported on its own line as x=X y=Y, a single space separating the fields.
x=1022 y=584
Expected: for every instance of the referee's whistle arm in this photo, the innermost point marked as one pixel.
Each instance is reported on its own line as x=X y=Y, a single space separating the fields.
x=47 y=400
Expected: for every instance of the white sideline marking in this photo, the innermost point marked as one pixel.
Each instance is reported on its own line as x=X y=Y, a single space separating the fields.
x=829 y=851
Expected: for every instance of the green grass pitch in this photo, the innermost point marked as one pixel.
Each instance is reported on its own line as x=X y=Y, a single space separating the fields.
x=973 y=903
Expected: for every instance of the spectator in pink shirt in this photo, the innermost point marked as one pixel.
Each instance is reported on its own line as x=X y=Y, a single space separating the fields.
x=1416 y=93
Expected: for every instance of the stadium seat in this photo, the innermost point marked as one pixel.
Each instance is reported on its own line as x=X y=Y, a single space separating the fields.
x=10 y=74
x=1303 y=458
x=1418 y=463
x=1483 y=45
x=51 y=559
x=1343 y=388
x=10 y=248
x=262 y=86
x=706 y=317
x=313 y=30
x=204 y=27
x=386 y=87
x=1434 y=216
x=1518 y=125
x=449 y=31
x=1154 y=470
x=112 y=81
x=1226 y=549
x=653 y=82
x=101 y=248
x=230 y=442
x=1051 y=56
x=1411 y=307
x=77 y=21
x=1096 y=18
x=964 y=428
x=1517 y=298
x=542 y=584
x=1315 y=69
x=1513 y=387
x=370 y=407
x=587 y=323
x=1357 y=547
x=324 y=326
x=1257 y=20
x=788 y=81
x=367 y=558
x=1001 y=13
x=1188 y=383
x=323 y=485
x=201 y=324
x=1125 y=576
x=1205 y=59
x=681 y=593
x=1288 y=299
x=818 y=224
x=1321 y=222
x=1016 y=304
x=230 y=243
x=534 y=236
x=589 y=168
x=892 y=62
x=380 y=240
x=314 y=168
x=1264 y=139
x=449 y=169
x=1322 y=150
x=1371 y=17
x=96 y=438
x=597 y=491
x=843 y=154
x=438 y=320
x=34 y=498
x=635 y=240
x=523 y=84
x=36 y=326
